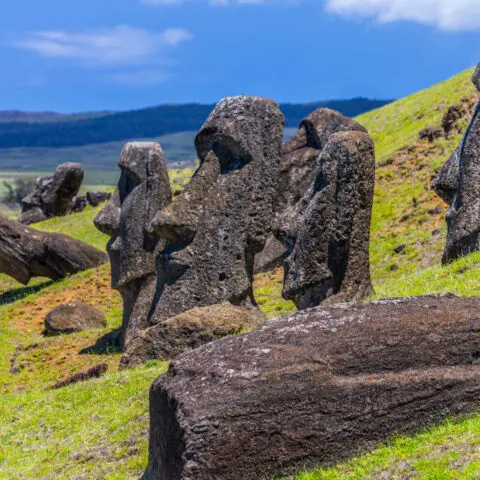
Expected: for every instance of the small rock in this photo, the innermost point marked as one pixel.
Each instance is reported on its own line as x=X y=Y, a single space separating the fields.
x=73 y=317
x=400 y=248
x=430 y=134
x=96 y=198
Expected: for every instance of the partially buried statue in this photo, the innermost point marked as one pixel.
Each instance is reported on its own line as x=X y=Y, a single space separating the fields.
x=331 y=229
x=168 y=258
x=143 y=190
x=458 y=183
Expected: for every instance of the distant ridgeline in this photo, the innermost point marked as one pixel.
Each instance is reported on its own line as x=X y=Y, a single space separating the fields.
x=20 y=129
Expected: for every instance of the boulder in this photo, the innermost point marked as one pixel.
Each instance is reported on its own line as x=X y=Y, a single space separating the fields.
x=143 y=190
x=73 y=317
x=224 y=215
x=34 y=215
x=79 y=203
x=53 y=195
x=96 y=198
x=26 y=253
x=189 y=330
x=330 y=254
x=313 y=388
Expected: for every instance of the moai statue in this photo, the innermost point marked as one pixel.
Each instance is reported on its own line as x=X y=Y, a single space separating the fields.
x=458 y=183
x=330 y=255
x=298 y=169
x=223 y=217
x=142 y=191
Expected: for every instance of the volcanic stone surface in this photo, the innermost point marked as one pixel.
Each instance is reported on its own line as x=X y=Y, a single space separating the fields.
x=314 y=387
x=73 y=317
x=143 y=190
x=53 y=195
x=26 y=253
x=330 y=256
x=463 y=217
x=224 y=215
x=189 y=330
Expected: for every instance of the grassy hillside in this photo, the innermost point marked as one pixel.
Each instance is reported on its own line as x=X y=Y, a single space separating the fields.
x=98 y=429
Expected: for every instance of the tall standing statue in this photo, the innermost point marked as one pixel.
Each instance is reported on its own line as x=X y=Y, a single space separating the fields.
x=143 y=190
x=330 y=255
x=458 y=183
x=223 y=217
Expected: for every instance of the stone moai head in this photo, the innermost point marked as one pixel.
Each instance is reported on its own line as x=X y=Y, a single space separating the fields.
x=330 y=256
x=458 y=183
x=223 y=217
x=143 y=190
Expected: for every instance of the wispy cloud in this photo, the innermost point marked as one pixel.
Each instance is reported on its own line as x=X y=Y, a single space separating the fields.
x=444 y=14
x=116 y=45
x=449 y=15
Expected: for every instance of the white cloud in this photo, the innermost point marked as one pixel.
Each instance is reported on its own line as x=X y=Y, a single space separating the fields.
x=117 y=45
x=445 y=14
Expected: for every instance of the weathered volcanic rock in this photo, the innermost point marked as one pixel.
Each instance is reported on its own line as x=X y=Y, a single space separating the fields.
x=143 y=190
x=34 y=215
x=95 y=372
x=313 y=388
x=463 y=218
x=445 y=184
x=224 y=215
x=331 y=252
x=54 y=195
x=299 y=166
x=189 y=330
x=73 y=317
x=79 y=203
x=26 y=253
x=272 y=256
x=96 y=198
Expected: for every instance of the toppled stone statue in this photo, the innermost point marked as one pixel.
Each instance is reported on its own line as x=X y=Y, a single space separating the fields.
x=298 y=169
x=313 y=388
x=224 y=215
x=26 y=253
x=143 y=190
x=331 y=228
x=458 y=183
x=53 y=195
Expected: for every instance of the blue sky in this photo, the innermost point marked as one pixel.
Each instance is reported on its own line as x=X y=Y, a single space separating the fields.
x=67 y=55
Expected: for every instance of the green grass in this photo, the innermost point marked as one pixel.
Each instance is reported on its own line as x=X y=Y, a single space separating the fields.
x=95 y=430
x=99 y=429
x=449 y=451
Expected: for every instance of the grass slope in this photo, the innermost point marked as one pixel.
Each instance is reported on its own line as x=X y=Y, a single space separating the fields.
x=98 y=429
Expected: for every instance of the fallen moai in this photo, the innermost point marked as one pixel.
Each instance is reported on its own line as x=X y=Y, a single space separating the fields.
x=330 y=253
x=458 y=183
x=313 y=388
x=26 y=253
x=80 y=202
x=143 y=190
x=53 y=195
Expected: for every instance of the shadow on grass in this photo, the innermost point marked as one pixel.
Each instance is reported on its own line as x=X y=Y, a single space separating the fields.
x=19 y=293
x=107 y=344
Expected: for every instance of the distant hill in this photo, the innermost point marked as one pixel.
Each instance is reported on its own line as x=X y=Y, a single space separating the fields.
x=55 y=130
